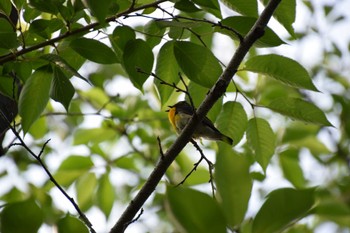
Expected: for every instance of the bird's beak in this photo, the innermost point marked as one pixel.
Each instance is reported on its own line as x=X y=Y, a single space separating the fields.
x=169 y=108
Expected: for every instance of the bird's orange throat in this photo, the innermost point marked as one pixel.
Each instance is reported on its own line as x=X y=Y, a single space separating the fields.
x=171 y=116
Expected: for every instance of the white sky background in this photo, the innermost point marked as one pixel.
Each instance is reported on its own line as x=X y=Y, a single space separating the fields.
x=307 y=52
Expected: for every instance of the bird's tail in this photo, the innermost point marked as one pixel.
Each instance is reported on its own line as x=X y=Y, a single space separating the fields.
x=226 y=139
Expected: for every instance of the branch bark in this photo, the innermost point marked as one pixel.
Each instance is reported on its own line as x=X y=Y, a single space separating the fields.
x=83 y=30
x=214 y=94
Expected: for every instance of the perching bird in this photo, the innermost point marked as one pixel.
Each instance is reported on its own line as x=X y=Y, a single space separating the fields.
x=180 y=114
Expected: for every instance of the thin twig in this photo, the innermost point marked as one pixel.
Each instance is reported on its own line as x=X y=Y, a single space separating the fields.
x=160 y=147
x=53 y=180
x=86 y=29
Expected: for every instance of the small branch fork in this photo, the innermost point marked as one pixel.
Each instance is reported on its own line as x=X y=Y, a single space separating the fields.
x=210 y=166
x=42 y=164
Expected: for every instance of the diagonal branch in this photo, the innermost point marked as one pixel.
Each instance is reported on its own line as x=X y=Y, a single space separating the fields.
x=214 y=94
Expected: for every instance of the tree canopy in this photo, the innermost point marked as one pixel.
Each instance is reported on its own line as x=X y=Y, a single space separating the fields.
x=86 y=145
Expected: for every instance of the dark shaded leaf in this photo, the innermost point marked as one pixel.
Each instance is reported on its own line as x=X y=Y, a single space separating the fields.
x=94 y=50
x=195 y=211
x=34 y=96
x=138 y=61
x=282 y=208
x=21 y=217
x=242 y=25
x=61 y=90
x=197 y=62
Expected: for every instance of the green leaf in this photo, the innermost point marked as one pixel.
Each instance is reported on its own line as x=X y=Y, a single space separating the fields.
x=138 y=61
x=105 y=195
x=245 y=7
x=25 y=216
x=71 y=168
x=63 y=64
x=120 y=37
x=298 y=130
x=154 y=33
x=262 y=140
x=299 y=109
x=5 y=7
x=86 y=187
x=234 y=193
x=45 y=28
x=166 y=69
x=61 y=90
x=34 y=97
x=195 y=211
x=99 y=8
x=289 y=161
x=186 y=6
x=242 y=25
x=281 y=68
x=285 y=14
x=71 y=224
x=282 y=208
x=47 y=6
x=197 y=62
x=93 y=135
x=233 y=121
x=8 y=37
x=94 y=50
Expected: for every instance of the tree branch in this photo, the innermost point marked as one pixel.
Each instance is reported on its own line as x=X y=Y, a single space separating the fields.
x=86 y=29
x=214 y=94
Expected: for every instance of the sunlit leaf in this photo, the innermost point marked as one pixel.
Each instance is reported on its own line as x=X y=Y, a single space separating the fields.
x=233 y=121
x=289 y=161
x=105 y=195
x=245 y=7
x=299 y=109
x=262 y=140
x=234 y=193
x=71 y=224
x=282 y=208
x=195 y=211
x=86 y=186
x=71 y=168
x=281 y=68
x=285 y=14
x=93 y=135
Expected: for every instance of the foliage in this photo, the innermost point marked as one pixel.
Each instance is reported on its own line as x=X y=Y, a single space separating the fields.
x=96 y=80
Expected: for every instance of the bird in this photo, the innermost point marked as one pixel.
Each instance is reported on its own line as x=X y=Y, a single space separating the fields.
x=179 y=115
